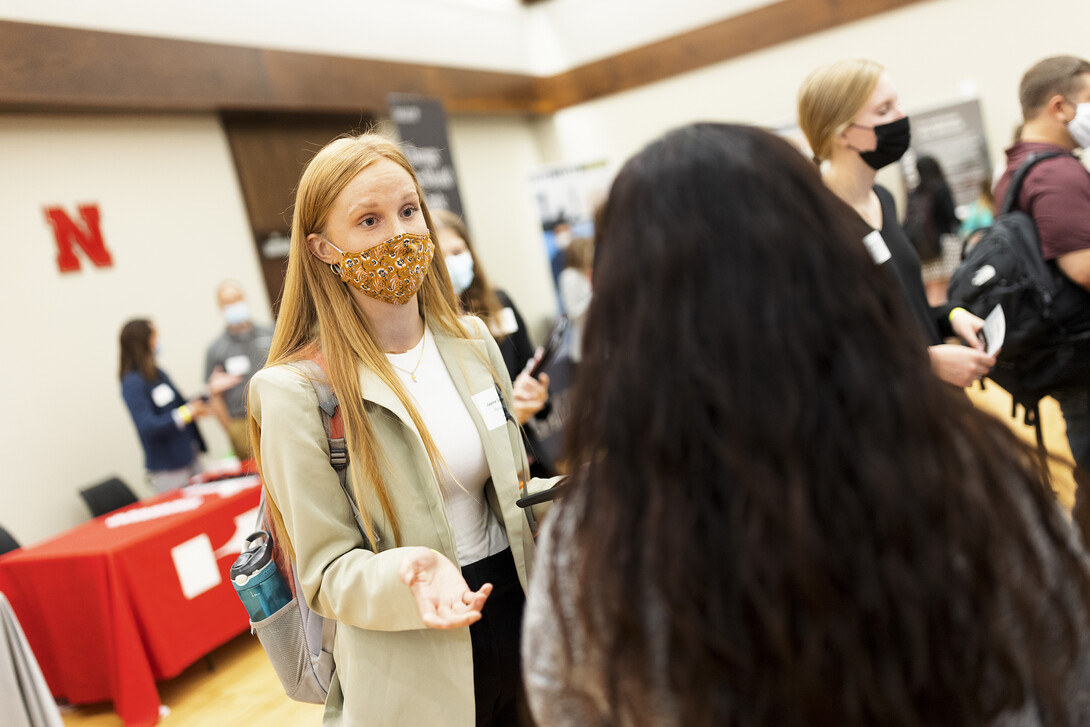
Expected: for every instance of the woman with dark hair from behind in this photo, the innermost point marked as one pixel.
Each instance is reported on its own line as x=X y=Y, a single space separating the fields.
x=163 y=418
x=784 y=518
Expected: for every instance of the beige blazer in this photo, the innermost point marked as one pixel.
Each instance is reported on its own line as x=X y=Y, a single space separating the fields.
x=391 y=670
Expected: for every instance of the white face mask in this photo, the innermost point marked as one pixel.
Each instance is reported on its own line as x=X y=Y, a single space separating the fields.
x=1079 y=127
x=460 y=267
x=236 y=313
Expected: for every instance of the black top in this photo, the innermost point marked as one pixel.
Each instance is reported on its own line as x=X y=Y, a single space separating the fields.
x=929 y=214
x=515 y=347
x=517 y=351
x=904 y=264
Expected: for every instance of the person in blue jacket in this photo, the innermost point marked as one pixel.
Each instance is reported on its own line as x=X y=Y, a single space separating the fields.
x=164 y=419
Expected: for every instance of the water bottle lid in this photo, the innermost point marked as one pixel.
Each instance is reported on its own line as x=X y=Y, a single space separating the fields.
x=255 y=557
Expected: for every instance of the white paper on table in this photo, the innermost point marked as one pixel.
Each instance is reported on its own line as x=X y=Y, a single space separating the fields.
x=223 y=488
x=245 y=525
x=154 y=512
x=995 y=330
x=196 y=566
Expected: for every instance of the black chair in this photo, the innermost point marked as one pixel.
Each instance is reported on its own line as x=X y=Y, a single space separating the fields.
x=107 y=496
x=7 y=542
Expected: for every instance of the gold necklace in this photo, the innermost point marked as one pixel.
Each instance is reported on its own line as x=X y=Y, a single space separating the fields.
x=418 y=360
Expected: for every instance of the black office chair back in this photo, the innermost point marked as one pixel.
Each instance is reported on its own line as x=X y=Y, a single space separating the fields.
x=7 y=542
x=107 y=496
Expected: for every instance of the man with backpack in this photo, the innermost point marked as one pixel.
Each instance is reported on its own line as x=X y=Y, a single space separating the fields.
x=1055 y=98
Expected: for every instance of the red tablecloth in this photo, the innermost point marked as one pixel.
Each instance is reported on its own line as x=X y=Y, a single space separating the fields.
x=104 y=607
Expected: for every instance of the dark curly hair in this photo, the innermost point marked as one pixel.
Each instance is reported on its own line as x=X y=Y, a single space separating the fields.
x=836 y=536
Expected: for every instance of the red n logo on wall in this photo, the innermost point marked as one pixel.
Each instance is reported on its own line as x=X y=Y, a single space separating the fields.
x=88 y=236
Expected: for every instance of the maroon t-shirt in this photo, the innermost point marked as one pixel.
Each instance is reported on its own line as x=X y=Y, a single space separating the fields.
x=1056 y=194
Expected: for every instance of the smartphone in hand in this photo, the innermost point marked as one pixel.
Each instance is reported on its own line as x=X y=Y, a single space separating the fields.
x=556 y=339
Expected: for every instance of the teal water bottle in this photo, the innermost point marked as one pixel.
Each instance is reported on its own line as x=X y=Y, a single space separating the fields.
x=257 y=580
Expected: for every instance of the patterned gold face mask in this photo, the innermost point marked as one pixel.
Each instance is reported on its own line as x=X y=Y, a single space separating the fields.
x=391 y=271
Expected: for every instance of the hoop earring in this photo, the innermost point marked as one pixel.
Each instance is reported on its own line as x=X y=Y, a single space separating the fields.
x=336 y=268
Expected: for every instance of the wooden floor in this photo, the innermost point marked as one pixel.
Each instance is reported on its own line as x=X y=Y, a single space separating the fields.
x=242 y=687
x=998 y=402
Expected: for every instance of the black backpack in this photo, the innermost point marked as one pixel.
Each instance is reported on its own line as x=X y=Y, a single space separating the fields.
x=1047 y=343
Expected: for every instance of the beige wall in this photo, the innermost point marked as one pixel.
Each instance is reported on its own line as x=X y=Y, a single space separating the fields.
x=934 y=51
x=494 y=157
x=173 y=220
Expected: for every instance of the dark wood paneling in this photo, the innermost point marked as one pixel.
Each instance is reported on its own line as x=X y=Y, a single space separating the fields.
x=736 y=36
x=47 y=68
x=333 y=83
x=59 y=68
x=270 y=151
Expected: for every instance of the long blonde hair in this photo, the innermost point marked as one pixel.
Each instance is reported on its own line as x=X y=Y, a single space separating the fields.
x=318 y=315
x=830 y=98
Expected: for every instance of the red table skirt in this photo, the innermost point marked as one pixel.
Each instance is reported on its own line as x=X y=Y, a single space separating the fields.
x=106 y=610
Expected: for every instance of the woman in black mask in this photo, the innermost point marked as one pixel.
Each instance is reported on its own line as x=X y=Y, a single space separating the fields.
x=851 y=115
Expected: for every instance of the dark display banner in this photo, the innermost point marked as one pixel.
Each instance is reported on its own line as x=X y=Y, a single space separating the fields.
x=954 y=135
x=422 y=127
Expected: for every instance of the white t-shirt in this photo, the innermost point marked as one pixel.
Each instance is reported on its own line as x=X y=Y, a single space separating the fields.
x=477 y=532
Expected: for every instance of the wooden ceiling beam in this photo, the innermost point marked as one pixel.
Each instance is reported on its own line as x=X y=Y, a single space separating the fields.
x=54 y=69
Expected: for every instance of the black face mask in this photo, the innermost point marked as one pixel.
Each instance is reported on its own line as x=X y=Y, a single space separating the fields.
x=892 y=141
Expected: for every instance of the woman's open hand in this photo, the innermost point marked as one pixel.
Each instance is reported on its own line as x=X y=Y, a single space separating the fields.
x=442 y=596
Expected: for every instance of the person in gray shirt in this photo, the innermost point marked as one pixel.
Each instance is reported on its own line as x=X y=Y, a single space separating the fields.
x=239 y=352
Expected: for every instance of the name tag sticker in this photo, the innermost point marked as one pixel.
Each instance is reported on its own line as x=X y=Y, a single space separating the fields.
x=488 y=403
x=237 y=365
x=162 y=395
x=507 y=322
x=876 y=246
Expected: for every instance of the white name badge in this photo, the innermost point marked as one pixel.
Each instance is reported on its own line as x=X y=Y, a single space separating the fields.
x=488 y=403
x=876 y=246
x=162 y=395
x=506 y=323
x=237 y=365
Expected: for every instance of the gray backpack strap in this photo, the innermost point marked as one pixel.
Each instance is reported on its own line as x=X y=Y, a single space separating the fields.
x=327 y=402
x=300 y=642
x=334 y=431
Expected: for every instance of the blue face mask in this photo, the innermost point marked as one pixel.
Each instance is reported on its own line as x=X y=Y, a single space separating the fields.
x=460 y=267
x=157 y=351
x=236 y=313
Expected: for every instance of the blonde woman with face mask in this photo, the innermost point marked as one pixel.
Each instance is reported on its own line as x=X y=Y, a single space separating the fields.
x=429 y=600
x=851 y=115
